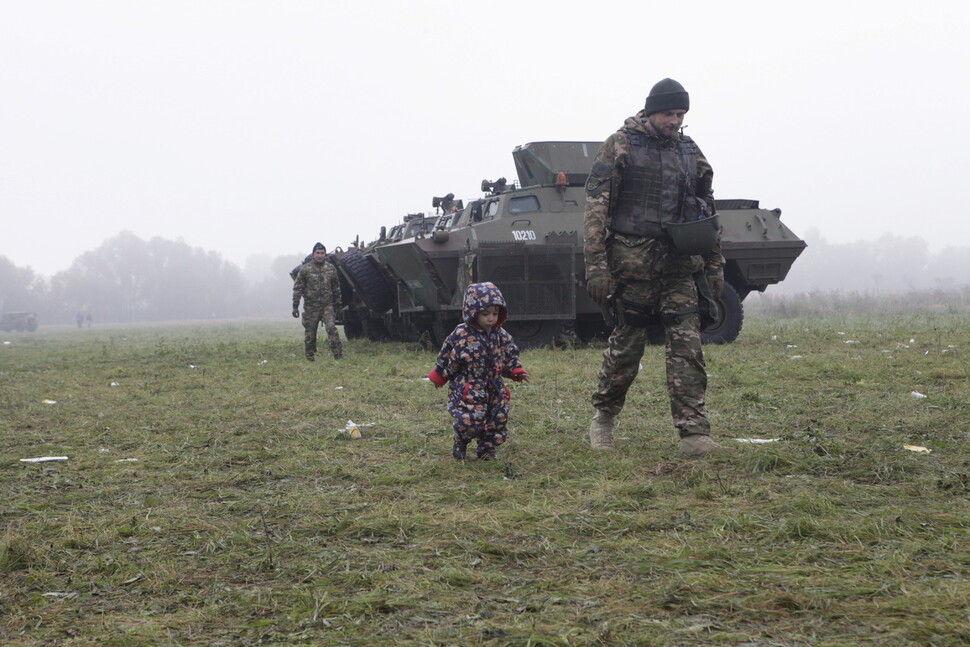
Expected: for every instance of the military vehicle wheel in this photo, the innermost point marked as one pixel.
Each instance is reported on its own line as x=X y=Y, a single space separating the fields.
x=374 y=329
x=591 y=328
x=353 y=329
x=539 y=333
x=728 y=326
x=373 y=289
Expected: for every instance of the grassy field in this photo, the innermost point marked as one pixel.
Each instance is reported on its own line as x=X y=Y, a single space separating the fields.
x=211 y=498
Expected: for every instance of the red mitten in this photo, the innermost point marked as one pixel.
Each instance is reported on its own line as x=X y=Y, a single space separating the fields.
x=519 y=375
x=436 y=378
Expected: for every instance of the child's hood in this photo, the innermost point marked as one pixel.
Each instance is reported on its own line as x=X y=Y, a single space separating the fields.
x=479 y=296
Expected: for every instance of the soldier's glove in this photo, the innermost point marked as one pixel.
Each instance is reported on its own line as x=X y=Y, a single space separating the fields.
x=296 y=313
x=599 y=287
x=715 y=279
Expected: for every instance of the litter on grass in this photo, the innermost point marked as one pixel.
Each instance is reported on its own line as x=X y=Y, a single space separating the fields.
x=757 y=441
x=49 y=401
x=352 y=429
x=43 y=459
x=917 y=449
x=115 y=384
x=127 y=460
x=917 y=395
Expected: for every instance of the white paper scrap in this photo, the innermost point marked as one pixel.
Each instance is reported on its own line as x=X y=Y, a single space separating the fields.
x=917 y=395
x=49 y=401
x=43 y=459
x=757 y=441
x=917 y=449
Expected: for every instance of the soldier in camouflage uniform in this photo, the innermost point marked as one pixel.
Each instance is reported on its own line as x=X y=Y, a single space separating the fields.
x=318 y=285
x=644 y=176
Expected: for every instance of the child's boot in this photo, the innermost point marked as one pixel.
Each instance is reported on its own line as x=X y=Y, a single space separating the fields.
x=486 y=452
x=459 y=449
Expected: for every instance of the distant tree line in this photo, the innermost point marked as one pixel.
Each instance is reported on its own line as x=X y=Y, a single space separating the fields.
x=128 y=279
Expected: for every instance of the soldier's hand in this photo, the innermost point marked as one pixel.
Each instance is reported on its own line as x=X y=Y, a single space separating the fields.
x=296 y=313
x=715 y=279
x=599 y=287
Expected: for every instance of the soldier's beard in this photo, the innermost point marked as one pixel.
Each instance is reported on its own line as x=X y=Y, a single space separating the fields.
x=670 y=132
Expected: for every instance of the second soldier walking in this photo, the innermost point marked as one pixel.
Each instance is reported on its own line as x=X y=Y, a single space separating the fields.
x=319 y=287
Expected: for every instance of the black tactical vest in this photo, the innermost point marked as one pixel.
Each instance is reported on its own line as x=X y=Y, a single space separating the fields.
x=653 y=184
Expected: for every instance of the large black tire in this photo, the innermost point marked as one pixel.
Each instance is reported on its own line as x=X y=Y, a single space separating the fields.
x=728 y=326
x=438 y=329
x=370 y=284
x=374 y=329
x=537 y=333
x=353 y=329
x=590 y=328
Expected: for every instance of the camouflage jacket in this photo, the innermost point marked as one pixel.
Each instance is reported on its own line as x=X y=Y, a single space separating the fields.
x=317 y=284
x=602 y=187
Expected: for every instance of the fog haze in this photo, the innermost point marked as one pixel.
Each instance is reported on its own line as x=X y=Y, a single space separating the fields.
x=257 y=128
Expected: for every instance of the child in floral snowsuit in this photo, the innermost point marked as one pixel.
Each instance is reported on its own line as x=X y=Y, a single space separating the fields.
x=474 y=358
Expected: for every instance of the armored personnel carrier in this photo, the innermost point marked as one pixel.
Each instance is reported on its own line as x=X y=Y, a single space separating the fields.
x=19 y=321
x=526 y=237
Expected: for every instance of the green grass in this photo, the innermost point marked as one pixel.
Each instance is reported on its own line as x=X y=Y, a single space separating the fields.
x=248 y=518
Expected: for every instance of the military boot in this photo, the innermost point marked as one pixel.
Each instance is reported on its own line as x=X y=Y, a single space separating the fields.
x=337 y=350
x=697 y=445
x=601 y=430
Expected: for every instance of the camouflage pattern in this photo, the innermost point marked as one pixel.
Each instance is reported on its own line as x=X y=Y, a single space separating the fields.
x=653 y=274
x=604 y=182
x=655 y=278
x=313 y=316
x=474 y=361
x=319 y=287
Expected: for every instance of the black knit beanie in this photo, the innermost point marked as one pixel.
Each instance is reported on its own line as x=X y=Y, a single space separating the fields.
x=319 y=246
x=666 y=95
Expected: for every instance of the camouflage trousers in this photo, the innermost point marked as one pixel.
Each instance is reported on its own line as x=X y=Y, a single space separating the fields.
x=312 y=317
x=658 y=281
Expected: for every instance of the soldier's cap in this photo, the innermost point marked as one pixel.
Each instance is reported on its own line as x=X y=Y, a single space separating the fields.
x=666 y=95
x=319 y=246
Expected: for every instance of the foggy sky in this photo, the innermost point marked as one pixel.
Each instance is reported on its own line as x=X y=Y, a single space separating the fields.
x=261 y=127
